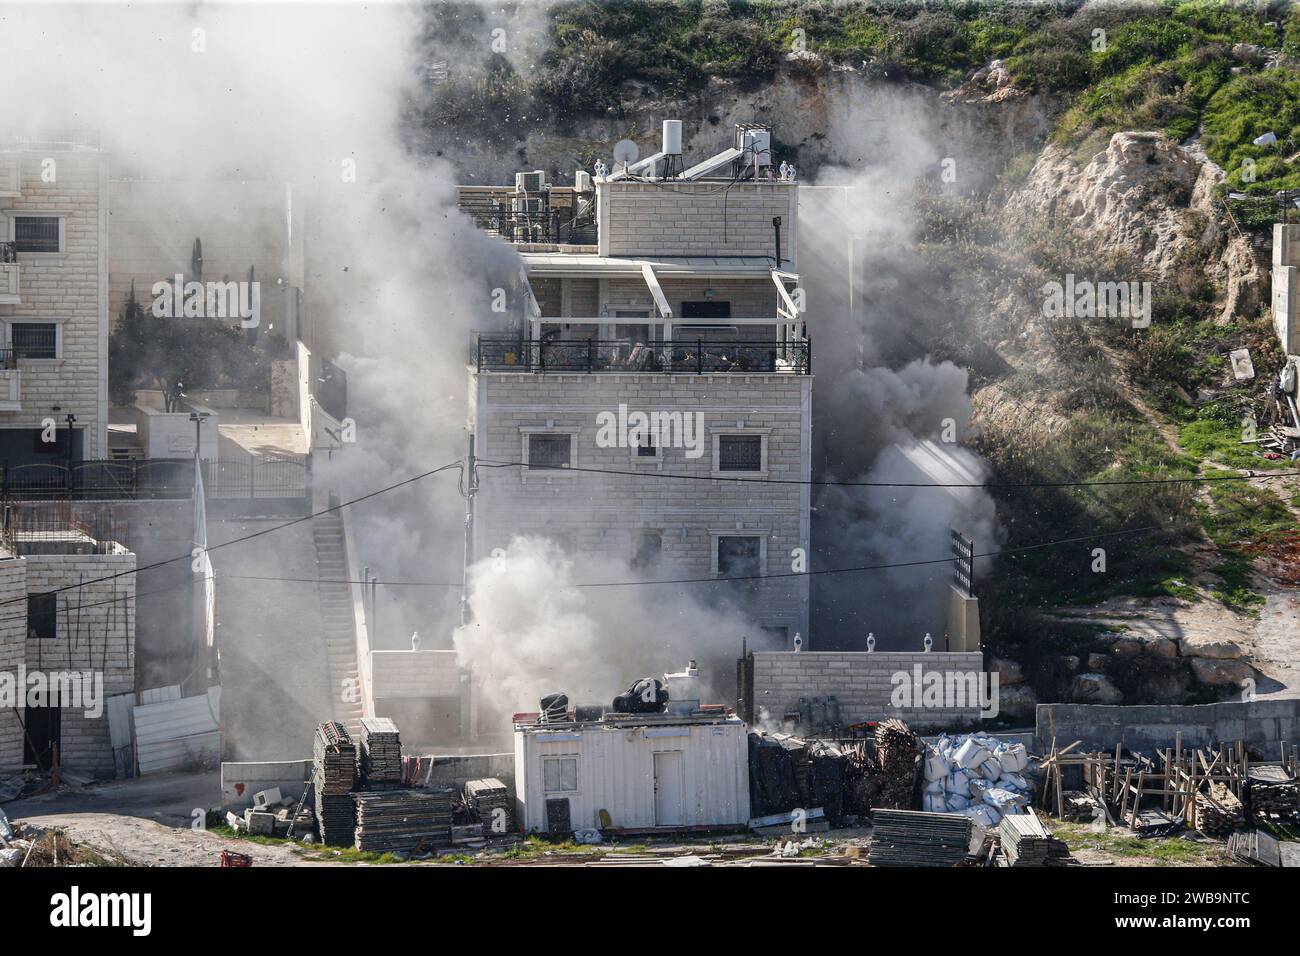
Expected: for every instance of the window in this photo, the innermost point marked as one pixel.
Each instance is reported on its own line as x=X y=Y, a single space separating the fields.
x=559 y=774
x=548 y=451
x=740 y=453
x=34 y=340
x=647 y=548
x=42 y=616
x=739 y=556
x=59 y=446
x=647 y=448
x=37 y=234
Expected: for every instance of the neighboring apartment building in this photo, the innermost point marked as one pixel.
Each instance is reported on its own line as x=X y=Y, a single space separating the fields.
x=74 y=646
x=659 y=290
x=53 y=300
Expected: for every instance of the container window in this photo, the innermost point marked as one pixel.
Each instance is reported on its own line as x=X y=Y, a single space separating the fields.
x=560 y=774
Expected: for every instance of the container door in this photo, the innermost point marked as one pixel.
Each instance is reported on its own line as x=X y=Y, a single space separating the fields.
x=670 y=789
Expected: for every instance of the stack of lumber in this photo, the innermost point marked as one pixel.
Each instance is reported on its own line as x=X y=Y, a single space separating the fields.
x=911 y=838
x=1272 y=791
x=381 y=754
x=1025 y=842
x=490 y=801
x=898 y=755
x=403 y=820
x=333 y=777
x=1218 y=811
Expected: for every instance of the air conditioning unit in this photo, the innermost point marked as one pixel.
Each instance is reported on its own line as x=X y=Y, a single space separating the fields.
x=582 y=181
x=755 y=140
x=526 y=205
x=533 y=182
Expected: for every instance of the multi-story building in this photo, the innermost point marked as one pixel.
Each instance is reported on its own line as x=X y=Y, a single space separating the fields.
x=53 y=300
x=670 y=293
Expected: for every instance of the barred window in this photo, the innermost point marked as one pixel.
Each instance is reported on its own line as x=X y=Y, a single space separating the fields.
x=740 y=453
x=34 y=340
x=739 y=556
x=36 y=233
x=548 y=451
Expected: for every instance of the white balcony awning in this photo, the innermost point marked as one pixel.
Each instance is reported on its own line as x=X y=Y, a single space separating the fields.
x=534 y=310
x=577 y=266
x=657 y=293
x=785 y=305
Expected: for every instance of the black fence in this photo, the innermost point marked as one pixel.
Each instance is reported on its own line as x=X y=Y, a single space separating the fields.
x=285 y=476
x=700 y=356
x=527 y=217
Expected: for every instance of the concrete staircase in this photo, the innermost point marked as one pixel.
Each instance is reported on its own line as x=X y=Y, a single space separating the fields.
x=340 y=624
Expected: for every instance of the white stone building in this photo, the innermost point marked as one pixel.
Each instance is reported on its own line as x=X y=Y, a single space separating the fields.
x=655 y=290
x=53 y=300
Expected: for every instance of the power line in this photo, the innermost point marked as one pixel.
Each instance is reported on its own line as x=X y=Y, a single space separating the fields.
x=482 y=463
x=249 y=537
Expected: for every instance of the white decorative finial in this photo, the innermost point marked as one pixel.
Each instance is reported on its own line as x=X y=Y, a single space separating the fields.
x=871 y=642
x=415 y=640
x=798 y=642
x=929 y=643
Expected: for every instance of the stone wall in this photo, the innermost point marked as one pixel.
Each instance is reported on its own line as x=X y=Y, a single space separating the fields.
x=695 y=219
x=1261 y=723
x=13 y=651
x=862 y=682
x=603 y=516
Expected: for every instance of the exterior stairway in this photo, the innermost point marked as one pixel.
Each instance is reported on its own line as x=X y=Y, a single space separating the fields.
x=340 y=625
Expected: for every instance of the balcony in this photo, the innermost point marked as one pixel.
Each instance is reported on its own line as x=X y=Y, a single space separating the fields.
x=551 y=217
x=680 y=356
x=9 y=292
x=10 y=382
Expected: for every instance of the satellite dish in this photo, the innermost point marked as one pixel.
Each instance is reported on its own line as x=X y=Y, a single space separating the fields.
x=625 y=152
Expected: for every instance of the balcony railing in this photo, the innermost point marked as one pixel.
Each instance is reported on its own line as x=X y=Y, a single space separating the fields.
x=695 y=356
x=537 y=217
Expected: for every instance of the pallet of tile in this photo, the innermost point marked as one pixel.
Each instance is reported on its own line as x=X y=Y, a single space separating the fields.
x=335 y=758
x=381 y=754
x=404 y=821
x=491 y=802
x=1026 y=842
x=914 y=838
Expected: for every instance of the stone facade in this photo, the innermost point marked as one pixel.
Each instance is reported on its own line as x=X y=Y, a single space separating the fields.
x=695 y=218
x=605 y=515
x=862 y=683
x=67 y=288
x=94 y=631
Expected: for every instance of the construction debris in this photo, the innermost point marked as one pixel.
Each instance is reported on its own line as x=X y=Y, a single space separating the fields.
x=1026 y=842
x=1273 y=793
x=1255 y=848
x=381 y=754
x=911 y=838
x=408 y=821
x=898 y=754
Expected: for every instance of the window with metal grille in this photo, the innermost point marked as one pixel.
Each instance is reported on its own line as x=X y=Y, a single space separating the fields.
x=739 y=556
x=42 y=616
x=548 y=451
x=559 y=774
x=35 y=340
x=740 y=453
x=36 y=233
x=647 y=448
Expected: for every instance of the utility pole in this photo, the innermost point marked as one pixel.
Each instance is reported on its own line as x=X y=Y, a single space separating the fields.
x=197 y=418
x=468 y=489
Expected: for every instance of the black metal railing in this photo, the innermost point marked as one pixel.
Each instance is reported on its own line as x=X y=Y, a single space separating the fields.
x=697 y=356
x=527 y=217
x=272 y=476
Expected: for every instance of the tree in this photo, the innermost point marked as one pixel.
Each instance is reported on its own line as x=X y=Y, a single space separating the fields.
x=175 y=355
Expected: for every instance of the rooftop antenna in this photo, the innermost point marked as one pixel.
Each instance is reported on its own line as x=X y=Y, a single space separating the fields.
x=625 y=154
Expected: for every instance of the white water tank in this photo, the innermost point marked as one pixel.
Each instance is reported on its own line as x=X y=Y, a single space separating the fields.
x=672 y=138
x=683 y=690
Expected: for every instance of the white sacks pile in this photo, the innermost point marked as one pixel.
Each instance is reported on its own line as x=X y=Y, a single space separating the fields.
x=976 y=775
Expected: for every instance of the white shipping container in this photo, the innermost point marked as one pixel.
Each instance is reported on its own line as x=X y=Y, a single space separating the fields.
x=692 y=772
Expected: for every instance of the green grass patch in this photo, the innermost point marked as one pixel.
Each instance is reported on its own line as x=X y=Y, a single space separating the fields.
x=1214 y=433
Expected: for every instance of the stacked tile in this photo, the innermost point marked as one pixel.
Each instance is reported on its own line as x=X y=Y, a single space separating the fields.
x=333 y=778
x=490 y=801
x=1218 y=812
x=912 y=838
x=402 y=820
x=1026 y=842
x=381 y=754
